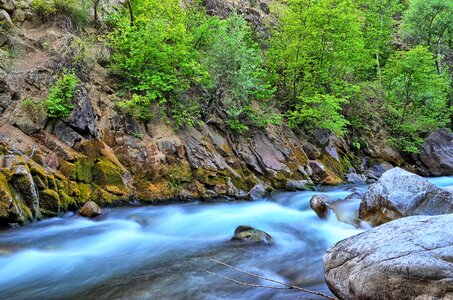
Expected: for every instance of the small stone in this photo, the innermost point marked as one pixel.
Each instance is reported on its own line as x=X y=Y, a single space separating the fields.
x=249 y=234
x=90 y=210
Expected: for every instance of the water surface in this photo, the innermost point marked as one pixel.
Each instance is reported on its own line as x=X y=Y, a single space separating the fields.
x=163 y=252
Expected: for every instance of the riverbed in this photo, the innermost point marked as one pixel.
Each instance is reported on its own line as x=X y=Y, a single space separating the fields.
x=164 y=252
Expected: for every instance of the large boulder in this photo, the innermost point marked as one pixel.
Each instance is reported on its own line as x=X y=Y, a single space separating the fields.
x=437 y=153
x=410 y=258
x=399 y=193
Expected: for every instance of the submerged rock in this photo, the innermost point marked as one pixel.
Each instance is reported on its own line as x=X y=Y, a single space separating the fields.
x=90 y=210
x=320 y=205
x=437 y=153
x=410 y=258
x=245 y=233
x=346 y=210
x=399 y=193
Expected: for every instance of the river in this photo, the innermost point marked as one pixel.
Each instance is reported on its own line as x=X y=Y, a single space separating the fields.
x=163 y=252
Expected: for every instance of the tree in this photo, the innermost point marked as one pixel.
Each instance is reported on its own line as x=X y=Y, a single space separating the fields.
x=416 y=97
x=153 y=55
x=316 y=51
x=235 y=66
x=429 y=23
x=378 y=28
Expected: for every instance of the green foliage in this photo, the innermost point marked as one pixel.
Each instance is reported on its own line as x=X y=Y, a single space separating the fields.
x=378 y=27
x=316 y=51
x=319 y=111
x=416 y=97
x=59 y=101
x=235 y=66
x=153 y=56
x=429 y=23
x=137 y=106
x=74 y=14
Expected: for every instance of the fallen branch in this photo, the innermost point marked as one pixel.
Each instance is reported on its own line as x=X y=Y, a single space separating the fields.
x=249 y=284
x=287 y=285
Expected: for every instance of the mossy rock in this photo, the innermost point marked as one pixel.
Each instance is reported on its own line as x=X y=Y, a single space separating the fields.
x=49 y=200
x=62 y=184
x=38 y=171
x=68 y=169
x=84 y=169
x=67 y=202
x=180 y=172
x=248 y=234
x=39 y=183
x=73 y=189
x=52 y=183
x=105 y=198
x=84 y=192
x=6 y=198
x=107 y=173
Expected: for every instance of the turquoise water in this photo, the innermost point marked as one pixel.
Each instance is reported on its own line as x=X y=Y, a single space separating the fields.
x=163 y=252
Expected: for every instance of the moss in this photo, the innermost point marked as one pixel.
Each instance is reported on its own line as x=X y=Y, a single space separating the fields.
x=5 y=197
x=49 y=200
x=84 y=170
x=84 y=192
x=39 y=183
x=62 y=183
x=106 y=173
x=73 y=189
x=38 y=171
x=105 y=198
x=68 y=169
x=52 y=183
x=23 y=215
x=179 y=172
x=67 y=202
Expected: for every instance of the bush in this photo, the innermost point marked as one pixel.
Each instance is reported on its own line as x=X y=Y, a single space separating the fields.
x=72 y=14
x=59 y=101
x=319 y=111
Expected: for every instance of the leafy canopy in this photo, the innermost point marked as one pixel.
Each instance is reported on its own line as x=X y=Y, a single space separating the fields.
x=416 y=96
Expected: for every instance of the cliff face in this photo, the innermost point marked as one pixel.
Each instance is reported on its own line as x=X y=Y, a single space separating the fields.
x=49 y=166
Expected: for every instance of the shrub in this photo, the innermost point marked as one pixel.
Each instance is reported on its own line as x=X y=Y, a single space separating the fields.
x=59 y=101
x=71 y=14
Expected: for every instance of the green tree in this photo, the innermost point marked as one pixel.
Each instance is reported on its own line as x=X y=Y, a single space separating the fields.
x=416 y=97
x=430 y=23
x=378 y=29
x=153 y=56
x=235 y=66
x=316 y=51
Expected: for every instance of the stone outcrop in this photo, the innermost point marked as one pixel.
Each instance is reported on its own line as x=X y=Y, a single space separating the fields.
x=437 y=153
x=399 y=193
x=410 y=258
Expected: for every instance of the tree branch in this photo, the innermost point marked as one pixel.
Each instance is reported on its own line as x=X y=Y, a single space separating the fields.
x=288 y=286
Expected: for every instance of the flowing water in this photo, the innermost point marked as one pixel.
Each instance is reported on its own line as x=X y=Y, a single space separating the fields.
x=163 y=252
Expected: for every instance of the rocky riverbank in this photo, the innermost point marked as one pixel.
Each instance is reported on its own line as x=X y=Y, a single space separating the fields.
x=49 y=166
x=408 y=255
